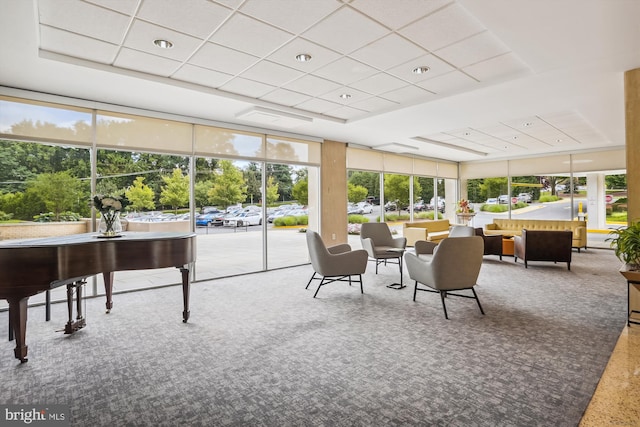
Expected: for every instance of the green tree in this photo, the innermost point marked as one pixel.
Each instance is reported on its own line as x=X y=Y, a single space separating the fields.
x=300 y=192
x=493 y=187
x=368 y=180
x=282 y=175
x=396 y=187
x=253 y=178
x=272 y=191
x=229 y=187
x=356 y=193
x=140 y=195
x=175 y=192
x=59 y=191
x=201 y=191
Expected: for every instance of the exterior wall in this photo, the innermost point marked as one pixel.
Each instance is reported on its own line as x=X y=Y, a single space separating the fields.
x=333 y=202
x=32 y=230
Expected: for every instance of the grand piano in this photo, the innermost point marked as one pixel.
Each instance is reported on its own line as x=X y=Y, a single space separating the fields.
x=31 y=266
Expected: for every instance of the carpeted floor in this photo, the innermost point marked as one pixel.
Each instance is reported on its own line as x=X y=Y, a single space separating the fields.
x=260 y=351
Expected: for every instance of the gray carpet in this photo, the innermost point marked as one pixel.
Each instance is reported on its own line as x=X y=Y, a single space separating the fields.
x=260 y=351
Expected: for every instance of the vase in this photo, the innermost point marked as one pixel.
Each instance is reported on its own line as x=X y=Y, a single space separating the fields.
x=110 y=225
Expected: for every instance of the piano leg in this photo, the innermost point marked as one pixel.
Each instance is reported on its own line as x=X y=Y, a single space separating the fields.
x=185 y=293
x=108 y=288
x=80 y=321
x=18 y=316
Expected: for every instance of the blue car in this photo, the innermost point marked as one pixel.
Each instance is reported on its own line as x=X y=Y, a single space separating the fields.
x=205 y=220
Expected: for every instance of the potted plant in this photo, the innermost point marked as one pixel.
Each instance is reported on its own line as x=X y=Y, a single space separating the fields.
x=626 y=244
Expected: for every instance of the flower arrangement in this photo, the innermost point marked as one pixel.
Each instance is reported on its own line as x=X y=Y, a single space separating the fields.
x=109 y=208
x=464 y=206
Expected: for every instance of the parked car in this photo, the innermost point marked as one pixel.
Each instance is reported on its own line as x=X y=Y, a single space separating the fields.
x=419 y=206
x=244 y=218
x=205 y=220
x=391 y=206
x=524 y=197
x=366 y=207
x=441 y=204
x=353 y=209
x=504 y=199
x=491 y=201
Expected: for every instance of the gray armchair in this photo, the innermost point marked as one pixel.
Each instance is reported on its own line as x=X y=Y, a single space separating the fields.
x=381 y=246
x=336 y=263
x=454 y=266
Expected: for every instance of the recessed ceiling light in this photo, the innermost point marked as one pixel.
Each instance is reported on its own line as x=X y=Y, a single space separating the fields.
x=527 y=124
x=303 y=57
x=558 y=140
x=163 y=44
x=345 y=96
x=421 y=70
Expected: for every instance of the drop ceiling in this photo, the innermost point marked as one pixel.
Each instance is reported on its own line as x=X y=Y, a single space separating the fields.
x=503 y=78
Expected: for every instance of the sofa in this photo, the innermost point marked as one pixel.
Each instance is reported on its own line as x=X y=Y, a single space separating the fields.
x=514 y=227
x=537 y=245
x=429 y=230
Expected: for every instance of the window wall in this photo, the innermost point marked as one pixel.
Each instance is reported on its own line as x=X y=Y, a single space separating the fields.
x=173 y=170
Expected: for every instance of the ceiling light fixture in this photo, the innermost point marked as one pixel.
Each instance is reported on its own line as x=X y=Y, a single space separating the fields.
x=421 y=70
x=345 y=96
x=527 y=124
x=303 y=57
x=163 y=44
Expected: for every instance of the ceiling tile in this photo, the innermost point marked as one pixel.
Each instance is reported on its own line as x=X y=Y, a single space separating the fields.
x=445 y=27
x=70 y=44
x=249 y=35
x=374 y=104
x=127 y=7
x=345 y=31
x=500 y=67
x=408 y=94
x=223 y=59
x=85 y=19
x=318 y=105
x=285 y=97
x=388 y=52
x=472 y=50
x=345 y=71
x=146 y=63
x=379 y=83
x=201 y=76
x=288 y=14
x=271 y=73
x=320 y=56
x=247 y=87
x=142 y=34
x=345 y=113
x=198 y=18
x=449 y=83
x=312 y=85
x=401 y=13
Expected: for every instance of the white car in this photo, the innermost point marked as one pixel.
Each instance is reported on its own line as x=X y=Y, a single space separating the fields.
x=524 y=197
x=491 y=201
x=365 y=207
x=243 y=219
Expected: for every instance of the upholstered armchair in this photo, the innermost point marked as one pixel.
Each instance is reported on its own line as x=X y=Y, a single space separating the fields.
x=335 y=264
x=381 y=246
x=492 y=244
x=536 y=245
x=454 y=266
x=461 y=231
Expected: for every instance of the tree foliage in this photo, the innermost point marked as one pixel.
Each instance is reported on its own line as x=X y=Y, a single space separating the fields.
x=140 y=195
x=229 y=187
x=272 y=191
x=396 y=188
x=59 y=191
x=175 y=192
x=356 y=193
x=301 y=192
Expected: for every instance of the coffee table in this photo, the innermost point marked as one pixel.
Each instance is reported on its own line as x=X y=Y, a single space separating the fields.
x=507 y=245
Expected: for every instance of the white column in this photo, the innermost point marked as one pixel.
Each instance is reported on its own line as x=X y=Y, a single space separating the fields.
x=596 y=204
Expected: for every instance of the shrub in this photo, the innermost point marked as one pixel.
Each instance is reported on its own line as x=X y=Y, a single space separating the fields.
x=548 y=198
x=427 y=215
x=302 y=219
x=285 y=221
x=5 y=216
x=494 y=208
x=357 y=219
